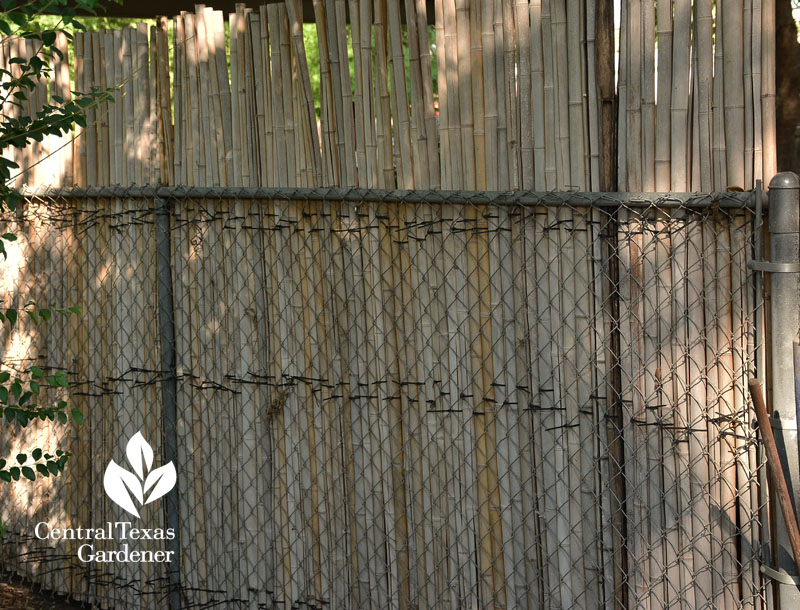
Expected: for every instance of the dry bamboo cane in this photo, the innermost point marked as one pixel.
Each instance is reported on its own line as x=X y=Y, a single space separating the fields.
x=537 y=96
x=454 y=94
x=679 y=96
x=747 y=82
x=368 y=100
x=648 y=96
x=732 y=40
x=663 y=124
x=279 y=170
x=594 y=127
x=523 y=41
x=418 y=134
x=342 y=136
x=328 y=116
x=552 y=168
x=465 y=92
x=489 y=95
x=622 y=114
x=349 y=124
x=575 y=100
x=505 y=15
x=441 y=84
x=401 y=116
x=634 y=92
x=755 y=45
x=291 y=129
x=429 y=111
x=255 y=40
x=178 y=167
x=718 y=123
x=380 y=88
x=214 y=97
x=476 y=72
x=704 y=52
x=768 y=100
x=604 y=28
x=143 y=139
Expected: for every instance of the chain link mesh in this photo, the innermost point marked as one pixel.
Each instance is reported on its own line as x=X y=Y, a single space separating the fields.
x=404 y=403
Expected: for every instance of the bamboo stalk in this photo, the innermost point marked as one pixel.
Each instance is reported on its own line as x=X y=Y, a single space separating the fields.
x=605 y=50
x=768 y=107
x=747 y=78
x=401 y=116
x=663 y=124
x=454 y=95
x=418 y=134
x=505 y=15
x=634 y=92
x=380 y=87
x=263 y=142
x=489 y=101
x=718 y=124
x=704 y=53
x=523 y=41
x=328 y=116
x=540 y=152
x=732 y=40
x=574 y=92
x=552 y=171
x=758 y=133
x=290 y=125
x=594 y=126
x=622 y=96
x=441 y=84
x=648 y=96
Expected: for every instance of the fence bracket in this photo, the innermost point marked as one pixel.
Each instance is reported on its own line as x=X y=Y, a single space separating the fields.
x=774 y=267
x=779 y=576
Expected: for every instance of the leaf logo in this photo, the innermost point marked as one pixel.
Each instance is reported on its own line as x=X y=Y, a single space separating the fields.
x=123 y=486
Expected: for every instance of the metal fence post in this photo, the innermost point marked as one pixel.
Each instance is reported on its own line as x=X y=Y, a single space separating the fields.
x=784 y=228
x=169 y=388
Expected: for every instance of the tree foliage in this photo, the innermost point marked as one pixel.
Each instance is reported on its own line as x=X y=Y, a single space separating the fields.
x=20 y=392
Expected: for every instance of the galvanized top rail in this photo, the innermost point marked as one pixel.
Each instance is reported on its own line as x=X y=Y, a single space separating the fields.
x=361 y=195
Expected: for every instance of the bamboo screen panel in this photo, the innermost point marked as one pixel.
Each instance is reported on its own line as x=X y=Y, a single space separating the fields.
x=405 y=404
x=523 y=97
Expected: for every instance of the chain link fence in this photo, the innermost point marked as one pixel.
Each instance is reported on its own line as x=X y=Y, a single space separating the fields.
x=400 y=400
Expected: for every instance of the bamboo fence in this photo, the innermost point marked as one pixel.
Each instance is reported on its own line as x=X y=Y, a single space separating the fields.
x=399 y=403
x=516 y=104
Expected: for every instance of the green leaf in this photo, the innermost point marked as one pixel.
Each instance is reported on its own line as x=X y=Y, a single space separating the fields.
x=35 y=387
x=62 y=417
x=36 y=372
x=74 y=309
x=9 y=236
x=16 y=389
x=52 y=467
x=33 y=316
x=29 y=473
x=49 y=38
x=2 y=463
x=5 y=376
x=3 y=395
x=36 y=453
x=43 y=470
x=77 y=416
x=14 y=473
x=11 y=316
x=45 y=313
x=26 y=396
x=5 y=28
x=5 y=475
x=22 y=458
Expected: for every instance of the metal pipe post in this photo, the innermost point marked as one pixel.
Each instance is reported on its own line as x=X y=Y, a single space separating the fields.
x=169 y=388
x=784 y=228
